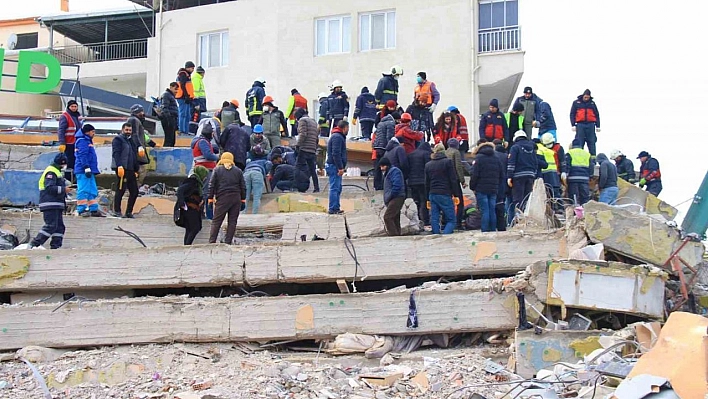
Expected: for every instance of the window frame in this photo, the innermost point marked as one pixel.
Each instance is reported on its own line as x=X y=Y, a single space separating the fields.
x=223 y=55
x=342 y=33
x=491 y=15
x=32 y=36
x=369 y=15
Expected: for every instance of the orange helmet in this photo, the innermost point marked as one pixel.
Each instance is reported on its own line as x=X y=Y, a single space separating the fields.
x=234 y=102
x=267 y=99
x=406 y=117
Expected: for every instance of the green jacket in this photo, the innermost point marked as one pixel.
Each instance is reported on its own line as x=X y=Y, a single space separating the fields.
x=198 y=85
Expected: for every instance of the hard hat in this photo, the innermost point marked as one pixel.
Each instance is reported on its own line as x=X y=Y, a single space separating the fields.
x=396 y=70
x=322 y=95
x=547 y=138
x=614 y=154
x=234 y=102
x=406 y=117
x=267 y=99
x=260 y=80
x=452 y=108
x=519 y=134
x=335 y=84
x=258 y=129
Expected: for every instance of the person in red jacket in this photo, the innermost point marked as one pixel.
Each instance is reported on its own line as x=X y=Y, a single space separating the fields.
x=492 y=125
x=407 y=136
x=446 y=128
x=462 y=134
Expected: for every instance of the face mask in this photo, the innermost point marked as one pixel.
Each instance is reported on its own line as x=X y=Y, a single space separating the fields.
x=63 y=167
x=419 y=79
x=266 y=108
x=395 y=77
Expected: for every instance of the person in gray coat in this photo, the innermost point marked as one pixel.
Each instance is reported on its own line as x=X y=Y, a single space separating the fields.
x=385 y=131
x=608 y=180
x=307 y=142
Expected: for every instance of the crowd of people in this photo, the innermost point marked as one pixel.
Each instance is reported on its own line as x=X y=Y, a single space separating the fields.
x=413 y=156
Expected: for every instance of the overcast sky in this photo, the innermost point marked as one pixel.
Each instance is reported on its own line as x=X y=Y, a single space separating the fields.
x=644 y=62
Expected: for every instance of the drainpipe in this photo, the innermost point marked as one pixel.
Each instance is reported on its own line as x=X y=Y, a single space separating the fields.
x=51 y=38
x=474 y=67
x=158 y=32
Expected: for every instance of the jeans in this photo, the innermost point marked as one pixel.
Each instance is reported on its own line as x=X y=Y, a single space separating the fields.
x=130 y=182
x=230 y=205
x=420 y=197
x=53 y=227
x=585 y=132
x=520 y=191
x=185 y=114
x=192 y=225
x=71 y=160
x=579 y=192
x=254 y=186
x=86 y=194
x=378 y=174
x=366 y=128
x=335 y=187
x=308 y=161
x=392 y=216
x=609 y=195
x=487 y=204
x=442 y=203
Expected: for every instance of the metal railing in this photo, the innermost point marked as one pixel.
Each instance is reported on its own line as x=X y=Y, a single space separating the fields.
x=97 y=52
x=507 y=38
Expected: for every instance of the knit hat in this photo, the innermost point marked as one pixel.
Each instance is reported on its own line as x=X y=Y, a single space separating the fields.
x=396 y=115
x=136 y=109
x=227 y=159
x=518 y=107
x=453 y=143
x=643 y=154
x=528 y=89
x=87 y=128
x=208 y=131
x=60 y=159
x=300 y=112
x=587 y=92
x=364 y=90
x=385 y=161
x=390 y=104
x=439 y=148
x=200 y=69
x=189 y=64
x=494 y=103
x=423 y=75
x=294 y=91
x=258 y=129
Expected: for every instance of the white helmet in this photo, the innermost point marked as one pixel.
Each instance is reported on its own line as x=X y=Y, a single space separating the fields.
x=519 y=134
x=615 y=154
x=260 y=80
x=396 y=70
x=322 y=95
x=335 y=84
x=547 y=138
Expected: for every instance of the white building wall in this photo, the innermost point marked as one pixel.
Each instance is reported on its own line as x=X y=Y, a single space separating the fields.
x=276 y=40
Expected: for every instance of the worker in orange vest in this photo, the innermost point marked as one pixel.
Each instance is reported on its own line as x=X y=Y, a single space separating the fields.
x=296 y=101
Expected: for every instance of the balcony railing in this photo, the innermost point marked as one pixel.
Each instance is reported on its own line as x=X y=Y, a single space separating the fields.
x=96 y=52
x=499 y=39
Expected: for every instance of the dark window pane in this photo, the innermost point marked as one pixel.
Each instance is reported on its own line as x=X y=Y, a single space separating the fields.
x=27 y=41
x=512 y=13
x=485 y=16
x=498 y=15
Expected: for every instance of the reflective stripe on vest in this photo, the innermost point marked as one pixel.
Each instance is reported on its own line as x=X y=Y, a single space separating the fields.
x=395 y=93
x=550 y=157
x=199 y=158
x=52 y=169
x=70 y=129
x=424 y=93
x=579 y=158
x=198 y=86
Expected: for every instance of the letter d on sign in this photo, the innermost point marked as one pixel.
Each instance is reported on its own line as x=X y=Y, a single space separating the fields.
x=23 y=82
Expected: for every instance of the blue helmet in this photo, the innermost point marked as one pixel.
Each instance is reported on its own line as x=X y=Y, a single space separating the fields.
x=452 y=108
x=258 y=129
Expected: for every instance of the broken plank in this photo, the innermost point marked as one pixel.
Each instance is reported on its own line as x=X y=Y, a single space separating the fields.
x=458 y=307
x=343 y=287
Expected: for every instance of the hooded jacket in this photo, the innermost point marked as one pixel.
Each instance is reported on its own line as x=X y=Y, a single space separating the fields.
x=124 y=154
x=202 y=145
x=625 y=169
x=169 y=110
x=387 y=89
x=493 y=126
x=338 y=105
x=262 y=165
x=337 y=149
x=503 y=158
x=416 y=164
x=453 y=154
x=85 y=154
x=189 y=193
x=254 y=99
x=531 y=108
x=365 y=107
x=546 y=120
x=235 y=140
x=408 y=137
x=227 y=182
x=578 y=173
x=185 y=90
x=68 y=123
x=307 y=135
x=397 y=155
x=584 y=112
x=440 y=175
x=138 y=136
x=230 y=115
x=273 y=121
x=394 y=186
x=608 y=172
x=487 y=172
x=263 y=141
x=523 y=161
x=385 y=132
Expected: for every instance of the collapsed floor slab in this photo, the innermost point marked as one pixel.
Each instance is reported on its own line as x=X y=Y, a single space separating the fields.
x=459 y=307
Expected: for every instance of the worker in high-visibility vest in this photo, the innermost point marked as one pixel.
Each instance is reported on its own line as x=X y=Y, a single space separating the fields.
x=52 y=196
x=199 y=90
x=580 y=168
x=550 y=175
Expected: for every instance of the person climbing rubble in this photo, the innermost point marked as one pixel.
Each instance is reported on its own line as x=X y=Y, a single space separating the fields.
x=649 y=174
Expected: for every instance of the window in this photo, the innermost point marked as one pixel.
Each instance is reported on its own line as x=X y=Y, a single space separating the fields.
x=214 y=49
x=27 y=41
x=498 y=14
x=377 y=30
x=333 y=35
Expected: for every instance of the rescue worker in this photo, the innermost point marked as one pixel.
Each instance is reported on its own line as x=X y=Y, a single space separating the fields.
x=169 y=114
x=445 y=128
x=190 y=199
x=273 y=121
x=52 y=201
x=87 y=166
x=649 y=174
x=227 y=192
x=136 y=120
x=200 y=101
x=235 y=140
x=492 y=125
x=453 y=154
x=185 y=95
x=521 y=169
x=549 y=141
x=608 y=180
x=532 y=113
x=365 y=112
x=336 y=165
x=462 y=132
x=338 y=104
x=486 y=177
x=296 y=101
x=307 y=142
x=426 y=94
x=287 y=177
x=546 y=121
x=323 y=120
x=440 y=182
x=580 y=168
x=385 y=131
x=514 y=123
x=387 y=88
x=416 y=180
x=254 y=101
x=257 y=168
x=549 y=173
x=625 y=166
x=216 y=129
x=407 y=136
x=229 y=114
x=257 y=138
x=585 y=120
x=125 y=164
x=69 y=123
x=394 y=197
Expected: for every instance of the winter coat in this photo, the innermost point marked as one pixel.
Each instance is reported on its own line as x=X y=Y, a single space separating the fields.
x=416 y=164
x=189 y=193
x=398 y=157
x=584 y=112
x=263 y=141
x=444 y=133
x=262 y=165
x=546 y=120
x=523 y=161
x=394 y=186
x=625 y=169
x=422 y=119
x=387 y=89
x=227 y=182
x=254 y=99
x=365 y=107
x=531 y=107
x=85 y=154
x=273 y=121
x=324 y=116
x=385 y=132
x=186 y=89
x=64 y=125
x=608 y=172
x=487 y=172
x=337 y=149
x=124 y=154
x=503 y=158
x=138 y=137
x=54 y=193
x=453 y=154
x=338 y=105
x=236 y=141
x=407 y=137
x=493 y=126
x=285 y=172
x=440 y=175
x=169 y=110
x=650 y=170
x=579 y=173
x=307 y=135
x=230 y=115
x=204 y=152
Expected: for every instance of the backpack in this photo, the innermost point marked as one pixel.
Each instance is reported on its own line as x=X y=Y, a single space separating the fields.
x=178 y=216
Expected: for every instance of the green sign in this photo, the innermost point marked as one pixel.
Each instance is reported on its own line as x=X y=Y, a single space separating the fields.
x=23 y=81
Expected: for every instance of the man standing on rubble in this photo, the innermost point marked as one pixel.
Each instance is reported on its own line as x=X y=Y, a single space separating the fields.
x=307 y=142
x=440 y=181
x=625 y=166
x=649 y=174
x=522 y=168
x=336 y=165
x=580 y=167
x=52 y=196
x=608 y=180
x=532 y=113
x=87 y=166
x=387 y=88
x=227 y=191
x=254 y=101
x=185 y=95
x=125 y=164
x=394 y=196
x=296 y=102
x=585 y=119
x=69 y=124
x=200 y=101
x=169 y=114
x=136 y=120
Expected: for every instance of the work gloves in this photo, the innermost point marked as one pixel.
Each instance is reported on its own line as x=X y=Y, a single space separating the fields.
x=354 y=121
x=243 y=205
x=87 y=172
x=121 y=172
x=141 y=151
x=456 y=201
x=431 y=108
x=573 y=128
x=642 y=182
x=427 y=205
x=597 y=130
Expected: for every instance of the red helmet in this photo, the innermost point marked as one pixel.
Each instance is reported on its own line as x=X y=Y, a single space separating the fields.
x=406 y=117
x=234 y=102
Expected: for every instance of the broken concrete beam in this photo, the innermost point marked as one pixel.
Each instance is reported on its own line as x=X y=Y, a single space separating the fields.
x=464 y=254
x=637 y=236
x=631 y=194
x=62 y=295
x=459 y=307
x=369 y=222
x=311 y=224
x=536 y=352
x=608 y=286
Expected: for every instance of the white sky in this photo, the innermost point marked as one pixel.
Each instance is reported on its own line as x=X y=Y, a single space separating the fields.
x=645 y=63
x=38 y=8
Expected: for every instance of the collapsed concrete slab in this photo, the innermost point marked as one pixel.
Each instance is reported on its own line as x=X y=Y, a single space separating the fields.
x=468 y=254
x=631 y=194
x=459 y=307
x=636 y=235
x=534 y=352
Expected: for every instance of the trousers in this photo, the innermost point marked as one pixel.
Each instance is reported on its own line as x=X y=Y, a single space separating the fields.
x=579 y=192
x=86 y=193
x=335 y=188
x=307 y=161
x=392 y=216
x=442 y=204
x=192 y=225
x=231 y=206
x=53 y=228
x=130 y=183
x=585 y=132
x=254 y=187
x=185 y=114
x=420 y=197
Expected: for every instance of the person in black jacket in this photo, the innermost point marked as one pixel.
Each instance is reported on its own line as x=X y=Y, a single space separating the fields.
x=169 y=114
x=504 y=198
x=236 y=140
x=287 y=177
x=52 y=195
x=126 y=165
x=397 y=155
x=190 y=200
x=485 y=180
x=440 y=181
x=416 y=179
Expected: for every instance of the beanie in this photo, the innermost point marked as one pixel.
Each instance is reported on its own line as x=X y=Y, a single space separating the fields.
x=207 y=131
x=60 y=159
x=439 y=148
x=453 y=143
x=294 y=91
x=189 y=64
x=528 y=89
x=200 y=69
x=87 y=128
x=390 y=104
x=423 y=75
x=136 y=109
x=494 y=103
x=71 y=102
x=300 y=112
x=576 y=144
x=385 y=161
x=587 y=92
x=518 y=107
x=364 y=90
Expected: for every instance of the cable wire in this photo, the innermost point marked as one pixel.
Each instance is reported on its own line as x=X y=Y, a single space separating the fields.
x=131 y=234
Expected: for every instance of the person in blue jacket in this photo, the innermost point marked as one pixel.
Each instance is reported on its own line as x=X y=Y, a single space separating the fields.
x=365 y=112
x=394 y=196
x=338 y=104
x=547 y=123
x=86 y=170
x=336 y=165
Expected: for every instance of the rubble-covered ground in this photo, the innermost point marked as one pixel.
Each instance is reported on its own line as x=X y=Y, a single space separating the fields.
x=224 y=371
